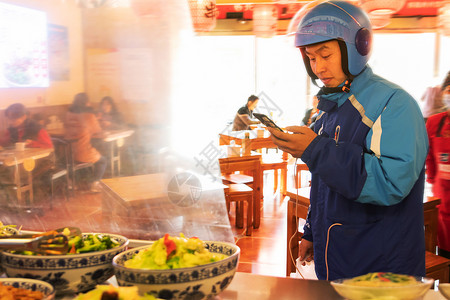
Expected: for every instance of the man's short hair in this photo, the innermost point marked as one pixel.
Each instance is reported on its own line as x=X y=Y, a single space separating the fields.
x=252 y=98
x=15 y=111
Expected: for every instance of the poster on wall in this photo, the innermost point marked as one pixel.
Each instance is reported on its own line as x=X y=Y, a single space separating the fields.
x=23 y=47
x=103 y=73
x=58 y=48
x=136 y=66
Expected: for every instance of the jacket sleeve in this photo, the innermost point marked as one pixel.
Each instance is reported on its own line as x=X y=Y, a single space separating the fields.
x=386 y=173
x=430 y=161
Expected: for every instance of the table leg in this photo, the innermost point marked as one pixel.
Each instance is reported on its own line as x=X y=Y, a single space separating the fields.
x=112 y=158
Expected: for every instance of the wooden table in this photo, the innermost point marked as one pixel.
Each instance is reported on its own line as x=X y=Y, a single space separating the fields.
x=123 y=193
x=247 y=286
x=114 y=138
x=255 y=143
x=14 y=158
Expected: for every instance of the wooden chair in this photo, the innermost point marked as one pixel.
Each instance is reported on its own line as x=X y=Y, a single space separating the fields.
x=66 y=155
x=437 y=267
x=275 y=163
x=240 y=192
x=298 y=170
x=62 y=167
x=297 y=208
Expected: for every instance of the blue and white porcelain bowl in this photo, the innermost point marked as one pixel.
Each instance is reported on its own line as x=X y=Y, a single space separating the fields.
x=71 y=273
x=185 y=283
x=6 y=231
x=31 y=284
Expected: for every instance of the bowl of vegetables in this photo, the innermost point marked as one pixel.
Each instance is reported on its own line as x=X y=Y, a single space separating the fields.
x=87 y=264
x=383 y=285
x=7 y=230
x=178 y=267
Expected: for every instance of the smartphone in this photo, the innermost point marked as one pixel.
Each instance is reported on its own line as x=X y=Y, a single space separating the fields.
x=267 y=121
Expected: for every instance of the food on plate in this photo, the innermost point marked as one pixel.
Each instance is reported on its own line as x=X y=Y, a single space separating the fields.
x=381 y=279
x=8 y=292
x=109 y=292
x=172 y=252
x=6 y=230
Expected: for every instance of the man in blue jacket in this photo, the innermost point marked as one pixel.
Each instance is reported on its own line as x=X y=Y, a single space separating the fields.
x=366 y=154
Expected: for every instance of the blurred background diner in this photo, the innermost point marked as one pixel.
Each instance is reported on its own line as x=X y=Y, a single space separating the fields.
x=141 y=94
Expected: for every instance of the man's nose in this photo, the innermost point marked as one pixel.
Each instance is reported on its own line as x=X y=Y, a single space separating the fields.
x=320 y=66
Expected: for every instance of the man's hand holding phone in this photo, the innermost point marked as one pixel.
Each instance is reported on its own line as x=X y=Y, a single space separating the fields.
x=294 y=143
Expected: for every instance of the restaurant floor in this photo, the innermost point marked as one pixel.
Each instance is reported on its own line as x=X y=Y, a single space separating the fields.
x=264 y=252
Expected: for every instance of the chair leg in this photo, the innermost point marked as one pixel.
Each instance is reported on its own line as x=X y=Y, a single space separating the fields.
x=275 y=180
x=249 y=215
x=239 y=214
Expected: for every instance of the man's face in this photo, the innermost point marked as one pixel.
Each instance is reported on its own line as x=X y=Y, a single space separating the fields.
x=252 y=105
x=325 y=60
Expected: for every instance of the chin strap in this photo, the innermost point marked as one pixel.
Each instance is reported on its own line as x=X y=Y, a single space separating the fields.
x=345 y=88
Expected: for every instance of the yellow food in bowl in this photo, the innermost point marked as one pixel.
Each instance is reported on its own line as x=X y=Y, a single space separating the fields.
x=381 y=279
x=112 y=292
x=171 y=252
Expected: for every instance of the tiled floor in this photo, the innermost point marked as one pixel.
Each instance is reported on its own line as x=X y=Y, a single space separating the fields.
x=263 y=253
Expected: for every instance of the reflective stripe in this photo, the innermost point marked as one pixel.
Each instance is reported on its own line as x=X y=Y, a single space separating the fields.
x=375 y=144
x=361 y=111
x=320 y=115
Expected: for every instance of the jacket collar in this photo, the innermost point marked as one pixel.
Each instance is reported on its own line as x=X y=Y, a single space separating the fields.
x=331 y=101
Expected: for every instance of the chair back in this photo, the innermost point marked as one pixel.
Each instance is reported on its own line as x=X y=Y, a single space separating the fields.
x=250 y=165
x=63 y=155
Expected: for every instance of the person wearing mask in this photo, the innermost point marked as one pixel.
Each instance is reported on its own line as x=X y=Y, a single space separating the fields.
x=108 y=115
x=244 y=115
x=366 y=154
x=438 y=167
x=80 y=126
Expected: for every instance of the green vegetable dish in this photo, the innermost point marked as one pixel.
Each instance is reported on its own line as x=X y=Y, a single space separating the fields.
x=87 y=243
x=172 y=252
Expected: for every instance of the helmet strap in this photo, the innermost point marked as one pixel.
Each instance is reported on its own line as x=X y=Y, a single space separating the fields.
x=330 y=90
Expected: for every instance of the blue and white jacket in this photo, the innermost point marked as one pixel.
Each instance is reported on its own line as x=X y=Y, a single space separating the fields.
x=367 y=166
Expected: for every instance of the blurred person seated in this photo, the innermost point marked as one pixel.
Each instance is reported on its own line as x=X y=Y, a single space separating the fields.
x=108 y=115
x=311 y=114
x=21 y=128
x=244 y=115
x=80 y=125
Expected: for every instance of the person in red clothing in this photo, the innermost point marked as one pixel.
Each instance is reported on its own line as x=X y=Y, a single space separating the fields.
x=21 y=128
x=438 y=167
